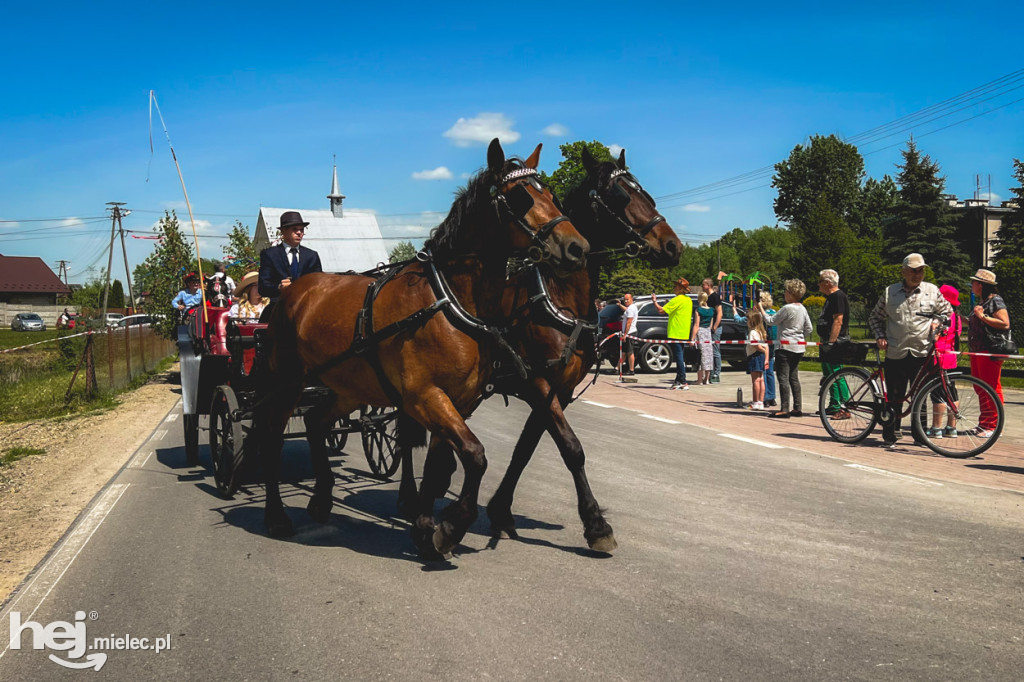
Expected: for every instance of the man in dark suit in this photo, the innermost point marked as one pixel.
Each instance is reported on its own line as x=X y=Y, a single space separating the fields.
x=282 y=264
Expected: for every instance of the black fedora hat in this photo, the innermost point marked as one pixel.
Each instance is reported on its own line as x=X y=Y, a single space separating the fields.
x=291 y=219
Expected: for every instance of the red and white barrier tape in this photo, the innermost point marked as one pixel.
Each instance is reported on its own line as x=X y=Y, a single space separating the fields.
x=59 y=338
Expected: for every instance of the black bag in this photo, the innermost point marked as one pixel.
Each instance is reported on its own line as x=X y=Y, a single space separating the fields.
x=843 y=352
x=1000 y=341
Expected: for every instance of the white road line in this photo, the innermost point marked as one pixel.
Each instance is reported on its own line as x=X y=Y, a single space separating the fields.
x=753 y=441
x=659 y=419
x=140 y=459
x=159 y=434
x=596 y=404
x=893 y=474
x=36 y=592
x=173 y=416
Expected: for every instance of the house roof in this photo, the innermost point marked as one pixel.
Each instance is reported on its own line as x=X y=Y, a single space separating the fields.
x=28 y=274
x=353 y=242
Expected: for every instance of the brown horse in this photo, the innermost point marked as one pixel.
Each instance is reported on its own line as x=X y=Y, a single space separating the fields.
x=613 y=212
x=435 y=367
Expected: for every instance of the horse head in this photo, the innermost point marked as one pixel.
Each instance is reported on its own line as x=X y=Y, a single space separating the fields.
x=216 y=293
x=624 y=213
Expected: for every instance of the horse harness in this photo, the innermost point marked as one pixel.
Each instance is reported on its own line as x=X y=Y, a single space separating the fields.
x=620 y=199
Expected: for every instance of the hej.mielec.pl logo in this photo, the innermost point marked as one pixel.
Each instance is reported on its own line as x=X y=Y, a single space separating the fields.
x=71 y=637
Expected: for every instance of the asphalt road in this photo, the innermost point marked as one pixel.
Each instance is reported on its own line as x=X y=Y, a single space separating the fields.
x=735 y=561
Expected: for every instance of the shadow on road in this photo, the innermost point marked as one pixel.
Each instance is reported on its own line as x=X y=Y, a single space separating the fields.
x=996 y=467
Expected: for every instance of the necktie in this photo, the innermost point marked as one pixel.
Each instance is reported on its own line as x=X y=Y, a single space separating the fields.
x=295 y=262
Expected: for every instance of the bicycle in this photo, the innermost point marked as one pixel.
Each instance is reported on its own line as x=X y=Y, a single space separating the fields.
x=967 y=416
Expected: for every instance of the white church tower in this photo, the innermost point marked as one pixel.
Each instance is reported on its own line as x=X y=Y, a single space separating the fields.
x=336 y=196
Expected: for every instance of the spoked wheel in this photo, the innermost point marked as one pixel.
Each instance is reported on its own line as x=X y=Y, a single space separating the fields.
x=848 y=406
x=227 y=440
x=961 y=417
x=191 y=422
x=337 y=437
x=379 y=427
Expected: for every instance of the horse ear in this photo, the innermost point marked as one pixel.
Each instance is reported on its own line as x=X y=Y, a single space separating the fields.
x=534 y=158
x=590 y=164
x=495 y=157
x=622 y=160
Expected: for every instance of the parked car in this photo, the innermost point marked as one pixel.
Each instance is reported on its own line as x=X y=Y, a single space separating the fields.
x=652 y=356
x=135 y=320
x=28 y=322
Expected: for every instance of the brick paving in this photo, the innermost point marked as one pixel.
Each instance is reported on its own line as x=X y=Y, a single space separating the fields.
x=715 y=406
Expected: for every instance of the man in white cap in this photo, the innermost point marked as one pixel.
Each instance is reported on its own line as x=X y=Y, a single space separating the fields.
x=904 y=335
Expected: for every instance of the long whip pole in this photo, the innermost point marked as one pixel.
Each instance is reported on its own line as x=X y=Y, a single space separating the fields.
x=188 y=204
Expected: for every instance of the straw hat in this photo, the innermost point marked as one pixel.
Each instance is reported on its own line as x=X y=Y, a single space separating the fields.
x=247 y=281
x=984 y=276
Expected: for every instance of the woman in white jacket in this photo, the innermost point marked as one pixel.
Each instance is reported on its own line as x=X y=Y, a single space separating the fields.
x=793 y=324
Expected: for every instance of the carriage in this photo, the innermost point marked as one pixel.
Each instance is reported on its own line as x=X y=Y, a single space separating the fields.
x=222 y=359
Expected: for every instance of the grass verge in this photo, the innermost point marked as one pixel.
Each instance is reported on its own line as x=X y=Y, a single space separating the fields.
x=12 y=455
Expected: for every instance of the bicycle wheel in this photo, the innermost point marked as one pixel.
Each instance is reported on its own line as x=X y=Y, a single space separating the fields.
x=976 y=422
x=848 y=406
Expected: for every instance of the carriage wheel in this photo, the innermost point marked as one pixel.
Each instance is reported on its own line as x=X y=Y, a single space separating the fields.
x=337 y=437
x=191 y=422
x=380 y=439
x=227 y=440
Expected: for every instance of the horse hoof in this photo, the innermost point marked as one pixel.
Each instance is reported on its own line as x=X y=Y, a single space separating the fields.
x=606 y=544
x=423 y=539
x=319 y=510
x=504 y=532
x=444 y=538
x=280 y=527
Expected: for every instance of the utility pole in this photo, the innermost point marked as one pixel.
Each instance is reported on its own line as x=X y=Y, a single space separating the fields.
x=115 y=218
x=62 y=270
x=719 y=244
x=124 y=252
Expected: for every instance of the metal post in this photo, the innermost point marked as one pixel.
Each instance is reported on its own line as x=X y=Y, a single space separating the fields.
x=110 y=255
x=90 y=368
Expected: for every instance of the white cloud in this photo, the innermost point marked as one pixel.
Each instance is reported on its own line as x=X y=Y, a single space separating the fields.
x=480 y=130
x=556 y=130
x=990 y=196
x=615 y=150
x=697 y=208
x=439 y=173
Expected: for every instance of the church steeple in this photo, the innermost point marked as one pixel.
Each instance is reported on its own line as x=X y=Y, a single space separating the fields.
x=336 y=196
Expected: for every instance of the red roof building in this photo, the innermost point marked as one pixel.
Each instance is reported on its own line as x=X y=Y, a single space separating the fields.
x=27 y=285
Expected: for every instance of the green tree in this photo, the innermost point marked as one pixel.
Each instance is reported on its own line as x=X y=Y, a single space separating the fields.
x=402 y=251
x=632 y=278
x=570 y=171
x=874 y=208
x=823 y=241
x=922 y=221
x=1010 y=275
x=1010 y=238
x=240 y=253
x=116 y=298
x=828 y=169
x=160 y=277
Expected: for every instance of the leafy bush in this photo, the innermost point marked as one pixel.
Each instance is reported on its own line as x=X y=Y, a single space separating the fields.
x=1010 y=275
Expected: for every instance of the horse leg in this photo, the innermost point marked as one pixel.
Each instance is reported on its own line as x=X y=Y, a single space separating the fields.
x=270 y=424
x=410 y=435
x=499 y=509
x=318 y=421
x=596 y=530
x=434 y=467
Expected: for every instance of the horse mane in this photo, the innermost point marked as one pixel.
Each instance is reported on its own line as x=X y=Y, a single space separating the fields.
x=455 y=232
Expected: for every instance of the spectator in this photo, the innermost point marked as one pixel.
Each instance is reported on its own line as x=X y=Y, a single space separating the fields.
x=792 y=325
x=610 y=317
x=680 y=321
x=250 y=304
x=701 y=333
x=989 y=314
x=757 y=357
x=833 y=326
x=947 y=345
x=190 y=296
x=904 y=335
x=629 y=316
x=715 y=303
x=764 y=306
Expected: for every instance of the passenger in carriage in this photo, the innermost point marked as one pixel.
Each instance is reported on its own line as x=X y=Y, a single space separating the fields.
x=190 y=296
x=250 y=304
x=283 y=264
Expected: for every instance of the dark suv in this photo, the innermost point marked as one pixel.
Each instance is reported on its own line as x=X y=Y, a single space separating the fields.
x=652 y=356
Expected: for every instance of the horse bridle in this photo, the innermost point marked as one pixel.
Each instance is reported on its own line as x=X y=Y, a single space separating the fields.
x=622 y=197
x=517 y=202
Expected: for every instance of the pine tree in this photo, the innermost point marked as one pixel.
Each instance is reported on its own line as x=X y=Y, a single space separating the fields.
x=1010 y=238
x=823 y=241
x=403 y=251
x=922 y=221
x=161 y=275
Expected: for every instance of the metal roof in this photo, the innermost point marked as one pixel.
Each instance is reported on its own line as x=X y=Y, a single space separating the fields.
x=353 y=242
x=28 y=274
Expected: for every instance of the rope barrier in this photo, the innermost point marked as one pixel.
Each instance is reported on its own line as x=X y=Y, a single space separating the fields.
x=59 y=338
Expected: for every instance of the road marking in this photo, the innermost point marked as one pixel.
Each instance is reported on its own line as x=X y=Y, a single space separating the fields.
x=596 y=404
x=893 y=474
x=659 y=419
x=753 y=441
x=50 y=573
x=173 y=416
x=140 y=459
x=159 y=434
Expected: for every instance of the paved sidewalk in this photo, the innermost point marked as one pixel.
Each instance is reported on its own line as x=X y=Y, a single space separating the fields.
x=715 y=406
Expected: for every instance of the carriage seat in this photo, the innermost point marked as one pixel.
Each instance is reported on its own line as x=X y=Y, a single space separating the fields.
x=217 y=321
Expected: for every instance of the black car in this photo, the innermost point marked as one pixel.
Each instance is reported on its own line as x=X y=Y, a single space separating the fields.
x=652 y=356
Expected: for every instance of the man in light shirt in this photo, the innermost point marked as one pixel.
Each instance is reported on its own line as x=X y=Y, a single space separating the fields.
x=628 y=327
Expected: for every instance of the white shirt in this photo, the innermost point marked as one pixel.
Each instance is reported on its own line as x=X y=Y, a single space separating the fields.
x=629 y=319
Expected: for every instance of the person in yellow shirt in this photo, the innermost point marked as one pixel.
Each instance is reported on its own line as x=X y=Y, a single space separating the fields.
x=680 y=320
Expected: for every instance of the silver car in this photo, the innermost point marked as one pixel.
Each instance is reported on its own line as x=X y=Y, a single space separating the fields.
x=28 y=322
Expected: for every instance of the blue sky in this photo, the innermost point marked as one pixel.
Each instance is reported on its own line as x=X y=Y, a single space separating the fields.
x=258 y=97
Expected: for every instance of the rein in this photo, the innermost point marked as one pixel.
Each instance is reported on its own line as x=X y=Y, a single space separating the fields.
x=632 y=249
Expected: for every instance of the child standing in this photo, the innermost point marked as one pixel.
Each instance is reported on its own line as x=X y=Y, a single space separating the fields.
x=757 y=356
